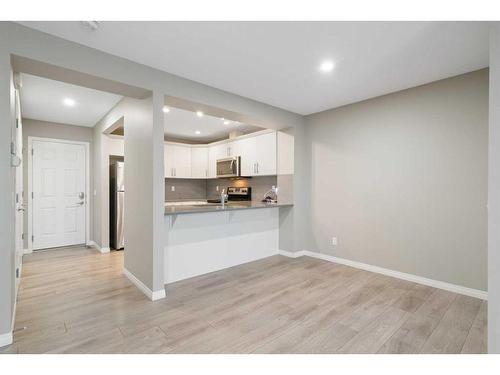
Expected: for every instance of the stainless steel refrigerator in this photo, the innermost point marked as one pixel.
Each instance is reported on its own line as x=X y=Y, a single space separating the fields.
x=116 y=199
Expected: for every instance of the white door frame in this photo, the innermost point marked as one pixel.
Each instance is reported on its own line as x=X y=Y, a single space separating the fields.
x=30 y=185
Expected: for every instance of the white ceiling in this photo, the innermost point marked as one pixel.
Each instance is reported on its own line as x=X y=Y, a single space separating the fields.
x=42 y=99
x=182 y=125
x=277 y=62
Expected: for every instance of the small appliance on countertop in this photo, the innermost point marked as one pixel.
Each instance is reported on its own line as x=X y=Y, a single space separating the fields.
x=271 y=196
x=235 y=194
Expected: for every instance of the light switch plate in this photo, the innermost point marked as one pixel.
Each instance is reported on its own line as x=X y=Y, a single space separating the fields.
x=172 y=188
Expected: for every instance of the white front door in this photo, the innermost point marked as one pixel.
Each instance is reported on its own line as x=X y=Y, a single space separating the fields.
x=59 y=200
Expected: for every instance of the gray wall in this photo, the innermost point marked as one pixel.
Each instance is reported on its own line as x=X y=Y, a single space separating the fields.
x=7 y=228
x=401 y=180
x=36 y=128
x=494 y=194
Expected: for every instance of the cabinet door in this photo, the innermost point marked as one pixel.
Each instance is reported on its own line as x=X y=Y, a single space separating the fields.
x=199 y=162
x=182 y=161
x=266 y=154
x=215 y=152
x=231 y=149
x=246 y=149
x=168 y=157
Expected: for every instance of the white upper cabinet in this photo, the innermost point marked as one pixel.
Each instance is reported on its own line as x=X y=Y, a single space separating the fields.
x=265 y=154
x=168 y=164
x=177 y=161
x=246 y=148
x=258 y=157
x=199 y=162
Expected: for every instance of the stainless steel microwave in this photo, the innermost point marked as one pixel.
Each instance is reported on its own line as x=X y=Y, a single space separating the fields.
x=229 y=167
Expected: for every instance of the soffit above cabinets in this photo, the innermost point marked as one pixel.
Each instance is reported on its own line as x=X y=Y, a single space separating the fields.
x=187 y=127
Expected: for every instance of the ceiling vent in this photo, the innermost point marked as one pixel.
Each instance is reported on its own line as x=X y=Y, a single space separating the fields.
x=90 y=25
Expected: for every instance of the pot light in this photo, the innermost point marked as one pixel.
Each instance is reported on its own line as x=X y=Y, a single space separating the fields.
x=166 y=109
x=197 y=132
x=199 y=113
x=326 y=66
x=226 y=122
x=69 y=102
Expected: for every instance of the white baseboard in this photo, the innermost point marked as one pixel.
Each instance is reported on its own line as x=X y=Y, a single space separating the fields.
x=292 y=254
x=384 y=271
x=94 y=244
x=153 y=296
x=27 y=251
x=6 y=339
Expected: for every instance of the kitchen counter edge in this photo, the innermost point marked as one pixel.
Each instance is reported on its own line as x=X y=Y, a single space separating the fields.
x=175 y=210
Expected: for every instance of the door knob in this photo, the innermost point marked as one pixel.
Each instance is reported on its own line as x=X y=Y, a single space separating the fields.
x=80 y=203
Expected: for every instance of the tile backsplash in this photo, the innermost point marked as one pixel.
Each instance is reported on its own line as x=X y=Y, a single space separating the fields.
x=185 y=189
x=259 y=185
x=192 y=189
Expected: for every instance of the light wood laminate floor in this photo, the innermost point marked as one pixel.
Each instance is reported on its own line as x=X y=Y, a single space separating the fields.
x=76 y=300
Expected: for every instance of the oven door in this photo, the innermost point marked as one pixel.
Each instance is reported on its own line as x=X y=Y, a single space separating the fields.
x=228 y=167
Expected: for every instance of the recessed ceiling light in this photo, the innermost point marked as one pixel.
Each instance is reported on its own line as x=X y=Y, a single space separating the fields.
x=226 y=122
x=197 y=132
x=326 y=66
x=69 y=102
x=199 y=113
x=166 y=109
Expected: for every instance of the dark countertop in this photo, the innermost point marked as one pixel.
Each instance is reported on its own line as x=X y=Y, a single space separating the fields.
x=232 y=206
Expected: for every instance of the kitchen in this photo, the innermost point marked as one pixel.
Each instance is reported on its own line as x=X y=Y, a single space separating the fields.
x=225 y=184
x=219 y=173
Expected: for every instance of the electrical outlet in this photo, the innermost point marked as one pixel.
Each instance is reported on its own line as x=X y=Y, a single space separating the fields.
x=217 y=188
x=172 y=188
x=334 y=241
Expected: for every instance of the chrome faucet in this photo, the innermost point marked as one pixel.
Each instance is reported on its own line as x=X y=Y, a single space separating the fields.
x=223 y=197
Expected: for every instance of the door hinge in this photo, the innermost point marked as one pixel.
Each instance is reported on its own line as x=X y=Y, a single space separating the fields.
x=12 y=148
x=22 y=236
x=32 y=152
x=17 y=123
x=32 y=238
x=17 y=197
x=17 y=273
x=32 y=195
